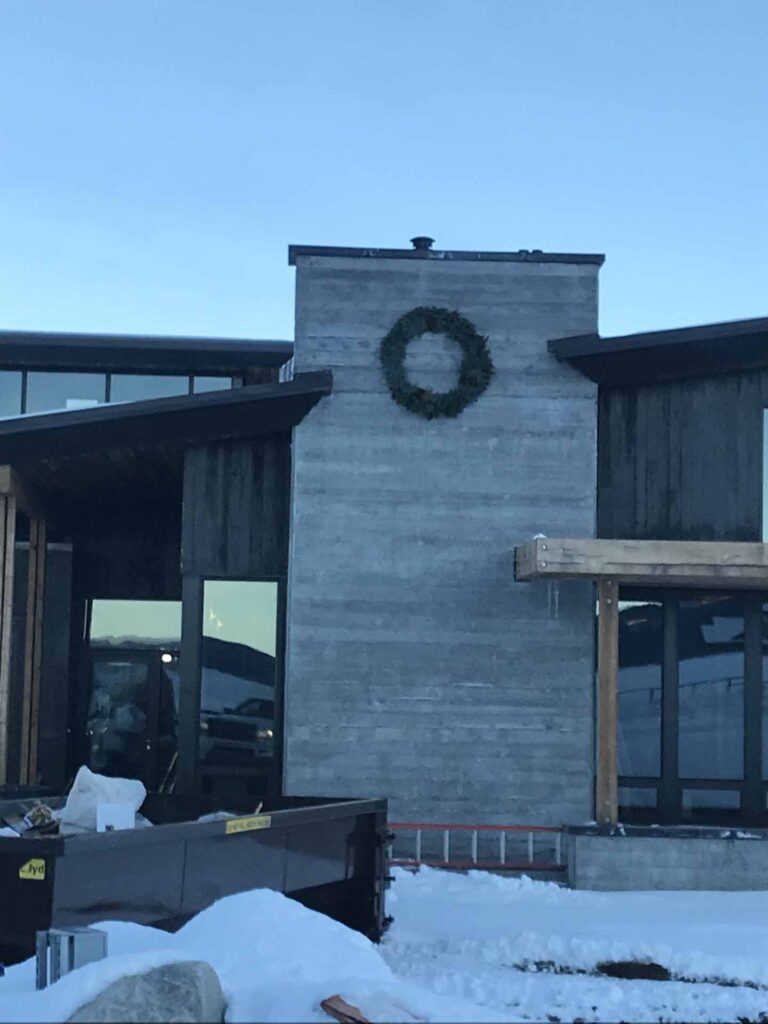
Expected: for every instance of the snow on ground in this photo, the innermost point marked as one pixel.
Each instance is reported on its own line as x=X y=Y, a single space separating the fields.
x=463 y=948
x=499 y=941
x=276 y=960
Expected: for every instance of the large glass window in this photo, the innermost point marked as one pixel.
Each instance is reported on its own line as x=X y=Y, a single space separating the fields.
x=129 y=387
x=641 y=655
x=764 y=686
x=710 y=656
x=693 y=705
x=47 y=392
x=135 y=624
x=200 y=384
x=10 y=393
x=237 y=712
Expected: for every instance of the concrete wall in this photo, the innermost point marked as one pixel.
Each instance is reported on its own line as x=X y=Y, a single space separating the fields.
x=417 y=668
x=611 y=863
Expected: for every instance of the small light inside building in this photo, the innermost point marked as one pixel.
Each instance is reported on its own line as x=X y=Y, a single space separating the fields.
x=166 y=658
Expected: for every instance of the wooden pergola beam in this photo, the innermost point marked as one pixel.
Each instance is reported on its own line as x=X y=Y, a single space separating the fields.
x=659 y=563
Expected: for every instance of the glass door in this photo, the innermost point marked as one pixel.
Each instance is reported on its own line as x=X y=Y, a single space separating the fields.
x=133 y=683
x=118 y=728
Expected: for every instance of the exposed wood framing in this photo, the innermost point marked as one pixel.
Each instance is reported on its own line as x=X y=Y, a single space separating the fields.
x=606 y=778
x=27 y=498
x=7 y=553
x=659 y=563
x=33 y=651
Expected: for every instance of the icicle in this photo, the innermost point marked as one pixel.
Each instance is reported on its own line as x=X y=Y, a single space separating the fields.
x=553 y=598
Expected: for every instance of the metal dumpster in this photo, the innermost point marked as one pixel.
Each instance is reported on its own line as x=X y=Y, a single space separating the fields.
x=329 y=855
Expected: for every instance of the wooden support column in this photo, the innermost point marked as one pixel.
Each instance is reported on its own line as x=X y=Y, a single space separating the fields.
x=7 y=560
x=606 y=781
x=33 y=649
x=191 y=676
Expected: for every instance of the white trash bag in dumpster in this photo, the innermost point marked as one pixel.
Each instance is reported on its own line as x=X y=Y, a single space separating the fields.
x=89 y=790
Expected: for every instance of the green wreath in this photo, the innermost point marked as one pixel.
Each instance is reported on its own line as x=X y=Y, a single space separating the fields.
x=476 y=365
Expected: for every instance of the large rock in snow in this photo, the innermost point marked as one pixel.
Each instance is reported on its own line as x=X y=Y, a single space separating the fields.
x=186 y=991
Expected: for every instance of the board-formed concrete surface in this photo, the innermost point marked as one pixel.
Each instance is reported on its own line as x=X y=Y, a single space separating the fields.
x=417 y=668
x=732 y=860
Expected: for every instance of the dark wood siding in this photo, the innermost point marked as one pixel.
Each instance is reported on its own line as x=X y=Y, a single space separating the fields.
x=235 y=516
x=683 y=460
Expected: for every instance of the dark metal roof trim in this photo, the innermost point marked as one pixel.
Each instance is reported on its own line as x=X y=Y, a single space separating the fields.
x=667 y=355
x=184 y=420
x=446 y=255
x=140 y=353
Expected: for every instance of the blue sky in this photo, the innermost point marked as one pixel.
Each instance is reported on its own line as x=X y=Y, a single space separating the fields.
x=158 y=156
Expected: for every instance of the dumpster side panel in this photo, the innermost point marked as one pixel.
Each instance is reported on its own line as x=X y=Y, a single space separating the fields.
x=224 y=864
x=129 y=883
x=338 y=868
x=319 y=853
x=27 y=873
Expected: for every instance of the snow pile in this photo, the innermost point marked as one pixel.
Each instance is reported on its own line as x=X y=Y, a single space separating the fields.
x=474 y=947
x=276 y=961
x=501 y=941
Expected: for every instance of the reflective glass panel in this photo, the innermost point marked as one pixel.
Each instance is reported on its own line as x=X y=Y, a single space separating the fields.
x=118 y=717
x=200 y=384
x=765 y=689
x=631 y=797
x=710 y=636
x=641 y=649
x=138 y=624
x=237 y=711
x=130 y=387
x=10 y=393
x=710 y=799
x=48 y=392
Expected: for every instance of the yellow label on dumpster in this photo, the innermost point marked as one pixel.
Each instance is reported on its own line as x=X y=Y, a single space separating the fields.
x=248 y=824
x=33 y=869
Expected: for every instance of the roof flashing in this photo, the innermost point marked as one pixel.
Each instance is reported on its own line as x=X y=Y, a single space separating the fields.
x=442 y=255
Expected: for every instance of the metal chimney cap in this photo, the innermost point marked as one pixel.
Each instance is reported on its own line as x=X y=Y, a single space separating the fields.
x=422 y=242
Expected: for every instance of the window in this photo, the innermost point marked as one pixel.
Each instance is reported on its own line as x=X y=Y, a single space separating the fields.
x=10 y=393
x=129 y=387
x=641 y=654
x=200 y=384
x=710 y=639
x=237 y=708
x=693 y=706
x=49 y=392
x=138 y=624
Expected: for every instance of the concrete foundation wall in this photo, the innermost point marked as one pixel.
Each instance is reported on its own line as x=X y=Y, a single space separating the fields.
x=417 y=668
x=610 y=863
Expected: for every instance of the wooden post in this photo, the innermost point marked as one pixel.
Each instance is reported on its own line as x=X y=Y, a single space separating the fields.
x=606 y=782
x=187 y=774
x=7 y=559
x=33 y=649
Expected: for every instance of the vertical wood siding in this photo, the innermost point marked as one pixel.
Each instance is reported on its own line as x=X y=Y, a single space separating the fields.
x=683 y=460
x=236 y=508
